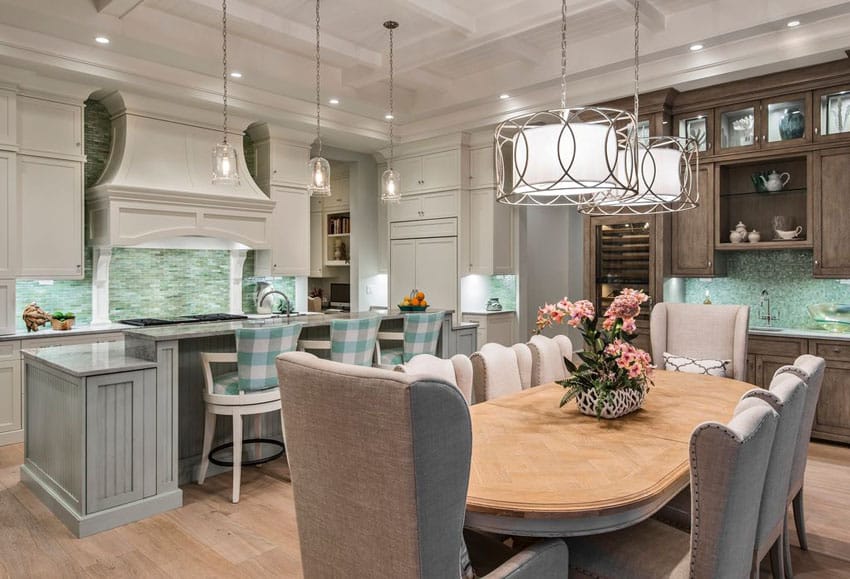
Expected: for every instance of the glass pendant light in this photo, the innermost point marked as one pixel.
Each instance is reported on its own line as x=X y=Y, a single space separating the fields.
x=318 y=167
x=667 y=167
x=565 y=156
x=224 y=154
x=391 y=180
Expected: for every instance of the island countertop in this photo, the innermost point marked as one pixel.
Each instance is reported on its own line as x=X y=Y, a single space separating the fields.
x=88 y=359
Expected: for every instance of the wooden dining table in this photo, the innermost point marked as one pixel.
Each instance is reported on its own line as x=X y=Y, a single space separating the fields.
x=543 y=471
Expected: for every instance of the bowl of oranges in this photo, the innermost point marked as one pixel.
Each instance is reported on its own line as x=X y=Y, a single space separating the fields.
x=415 y=302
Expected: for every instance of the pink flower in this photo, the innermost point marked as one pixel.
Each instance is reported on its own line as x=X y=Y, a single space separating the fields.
x=629 y=325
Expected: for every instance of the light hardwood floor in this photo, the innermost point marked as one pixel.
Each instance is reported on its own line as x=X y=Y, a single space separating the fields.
x=211 y=537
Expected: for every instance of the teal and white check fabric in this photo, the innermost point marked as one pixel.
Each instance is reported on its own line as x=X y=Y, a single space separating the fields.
x=353 y=341
x=421 y=332
x=256 y=349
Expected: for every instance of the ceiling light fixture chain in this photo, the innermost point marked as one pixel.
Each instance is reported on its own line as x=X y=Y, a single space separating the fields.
x=224 y=62
x=318 y=84
x=637 y=63
x=563 y=54
x=224 y=157
x=392 y=104
x=320 y=170
x=390 y=179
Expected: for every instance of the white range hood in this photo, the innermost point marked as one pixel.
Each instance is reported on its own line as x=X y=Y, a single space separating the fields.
x=156 y=190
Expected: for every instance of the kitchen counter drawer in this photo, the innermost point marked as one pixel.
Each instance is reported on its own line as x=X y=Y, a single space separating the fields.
x=10 y=350
x=786 y=347
x=830 y=350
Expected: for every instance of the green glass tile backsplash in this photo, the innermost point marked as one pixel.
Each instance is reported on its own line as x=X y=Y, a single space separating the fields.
x=785 y=274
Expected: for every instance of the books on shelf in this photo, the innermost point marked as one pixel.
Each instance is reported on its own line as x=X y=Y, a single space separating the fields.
x=339 y=225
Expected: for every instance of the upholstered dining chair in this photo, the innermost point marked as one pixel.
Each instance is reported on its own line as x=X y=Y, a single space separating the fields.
x=251 y=390
x=525 y=363
x=728 y=467
x=456 y=371
x=547 y=358
x=352 y=341
x=409 y=441
x=419 y=336
x=682 y=330
x=810 y=369
x=495 y=372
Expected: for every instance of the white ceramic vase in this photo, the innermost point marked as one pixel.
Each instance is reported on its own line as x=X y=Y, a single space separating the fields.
x=623 y=402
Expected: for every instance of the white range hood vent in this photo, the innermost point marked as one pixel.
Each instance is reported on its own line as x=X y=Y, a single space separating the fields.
x=157 y=185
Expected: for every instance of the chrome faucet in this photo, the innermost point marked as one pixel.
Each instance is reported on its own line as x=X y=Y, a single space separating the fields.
x=764 y=304
x=285 y=299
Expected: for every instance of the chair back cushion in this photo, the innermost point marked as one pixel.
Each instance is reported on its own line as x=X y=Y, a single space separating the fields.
x=810 y=369
x=547 y=360
x=495 y=372
x=353 y=341
x=421 y=332
x=681 y=330
x=675 y=363
x=256 y=349
x=380 y=466
x=728 y=467
x=524 y=360
x=787 y=396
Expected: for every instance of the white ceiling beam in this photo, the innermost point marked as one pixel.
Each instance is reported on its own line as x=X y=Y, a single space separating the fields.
x=256 y=16
x=650 y=17
x=116 y=8
x=521 y=50
x=443 y=12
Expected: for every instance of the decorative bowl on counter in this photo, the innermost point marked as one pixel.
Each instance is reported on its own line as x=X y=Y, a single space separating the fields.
x=832 y=317
x=415 y=302
x=412 y=308
x=62 y=322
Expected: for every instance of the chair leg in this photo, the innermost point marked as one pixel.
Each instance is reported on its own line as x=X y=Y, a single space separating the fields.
x=786 y=548
x=209 y=433
x=776 y=564
x=237 y=455
x=800 y=521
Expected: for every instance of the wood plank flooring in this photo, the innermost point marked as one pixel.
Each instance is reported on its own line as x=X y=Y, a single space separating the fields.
x=211 y=537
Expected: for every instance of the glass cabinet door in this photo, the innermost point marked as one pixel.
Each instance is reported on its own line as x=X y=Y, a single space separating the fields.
x=832 y=113
x=786 y=121
x=738 y=128
x=698 y=126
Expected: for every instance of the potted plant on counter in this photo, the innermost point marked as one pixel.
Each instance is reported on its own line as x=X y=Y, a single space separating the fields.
x=614 y=375
x=62 y=320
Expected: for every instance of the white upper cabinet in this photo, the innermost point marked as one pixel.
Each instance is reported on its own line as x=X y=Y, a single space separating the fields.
x=49 y=128
x=7 y=309
x=50 y=209
x=429 y=172
x=8 y=214
x=317 y=247
x=8 y=122
x=425 y=206
x=290 y=231
x=482 y=169
x=491 y=227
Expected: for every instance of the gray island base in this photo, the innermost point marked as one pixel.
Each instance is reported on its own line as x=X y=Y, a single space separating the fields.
x=112 y=430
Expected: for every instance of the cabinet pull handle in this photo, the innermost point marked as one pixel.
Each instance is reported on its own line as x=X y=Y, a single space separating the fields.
x=817 y=262
x=836 y=350
x=763 y=138
x=817 y=130
x=709 y=263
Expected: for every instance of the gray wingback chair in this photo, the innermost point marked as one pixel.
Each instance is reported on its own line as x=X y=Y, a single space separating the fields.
x=683 y=330
x=380 y=466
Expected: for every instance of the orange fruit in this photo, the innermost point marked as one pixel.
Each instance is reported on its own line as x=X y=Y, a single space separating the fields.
x=423 y=303
x=414 y=302
x=420 y=296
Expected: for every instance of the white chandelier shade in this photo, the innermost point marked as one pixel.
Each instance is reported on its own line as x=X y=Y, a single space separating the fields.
x=320 y=177
x=391 y=186
x=224 y=165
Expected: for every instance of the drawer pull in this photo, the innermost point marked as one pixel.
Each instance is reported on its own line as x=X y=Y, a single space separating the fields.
x=836 y=350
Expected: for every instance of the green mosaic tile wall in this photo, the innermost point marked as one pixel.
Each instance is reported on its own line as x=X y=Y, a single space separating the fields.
x=65 y=295
x=249 y=285
x=786 y=275
x=98 y=138
x=504 y=287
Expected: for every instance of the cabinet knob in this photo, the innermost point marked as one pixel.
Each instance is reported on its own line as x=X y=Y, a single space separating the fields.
x=836 y=350
x=79 y=266
x=78 y=145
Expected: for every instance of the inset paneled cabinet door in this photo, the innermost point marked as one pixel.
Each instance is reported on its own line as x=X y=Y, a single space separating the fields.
x=8 y=214
x=832 y=213
x=482 y=168
x=431 y=172
x=10 y=394
x=491 y=234
x=50 y=206
x=692 y=250
x=49 y=128
x=317 y=248
x=290 y=250
x=424 y=206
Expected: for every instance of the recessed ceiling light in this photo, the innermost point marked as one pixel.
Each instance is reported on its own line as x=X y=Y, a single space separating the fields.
x=695 y=47
x=793 y=24
x=101 y=40
x=235 y=74
x=389 y=117
x=504 y=96
x=334 y=101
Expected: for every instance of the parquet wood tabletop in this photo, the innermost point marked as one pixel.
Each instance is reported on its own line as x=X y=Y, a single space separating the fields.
x=538 y=469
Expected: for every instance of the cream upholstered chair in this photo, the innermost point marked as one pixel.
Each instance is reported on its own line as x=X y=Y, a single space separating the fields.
x=547 y=358
x=525 y=362
x=456 y=371
x=495 y=372
x=682 y=330
x=251 y=390
x=810 y=369
x=409 y=441
x=728 y=467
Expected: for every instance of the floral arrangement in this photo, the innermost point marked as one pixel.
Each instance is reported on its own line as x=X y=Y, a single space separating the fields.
x=612 y=367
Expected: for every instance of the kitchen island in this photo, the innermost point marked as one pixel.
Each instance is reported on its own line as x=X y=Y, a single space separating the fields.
x=112 y=430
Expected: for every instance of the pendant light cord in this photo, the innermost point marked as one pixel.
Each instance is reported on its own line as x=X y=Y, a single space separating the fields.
x=637 y=62
x=224 y=62
x=563 y=54
x=392 y=113
x=318 y=86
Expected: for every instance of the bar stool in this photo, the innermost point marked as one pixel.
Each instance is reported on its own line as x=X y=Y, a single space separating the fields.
x=420 y=335
x=352 y=341
x=251 y=390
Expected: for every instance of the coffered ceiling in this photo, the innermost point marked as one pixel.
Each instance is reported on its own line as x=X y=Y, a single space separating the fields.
x=453 y=57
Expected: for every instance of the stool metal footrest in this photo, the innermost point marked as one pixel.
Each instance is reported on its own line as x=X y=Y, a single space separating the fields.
x=250 y=462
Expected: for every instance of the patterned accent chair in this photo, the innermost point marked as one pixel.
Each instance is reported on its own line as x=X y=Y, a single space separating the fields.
x=729 y=464
x=352 y=341
x=547 y=358
x=810 y=369
x=680 y=329
x=251 y=390
x=456 y=371
x=420 y=335
x=409 y=441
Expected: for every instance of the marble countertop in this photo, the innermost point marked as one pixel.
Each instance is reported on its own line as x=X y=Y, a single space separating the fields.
x=799 y=333
x=486 y=313
x=75 y=331
x=88 y=359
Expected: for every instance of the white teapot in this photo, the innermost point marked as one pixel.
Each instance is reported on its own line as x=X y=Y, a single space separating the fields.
x=775 y=181
x=741 y=230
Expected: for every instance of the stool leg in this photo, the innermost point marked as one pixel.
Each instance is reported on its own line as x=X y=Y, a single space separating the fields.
x=209 y=433
x=258 y=433
x=237 y=455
